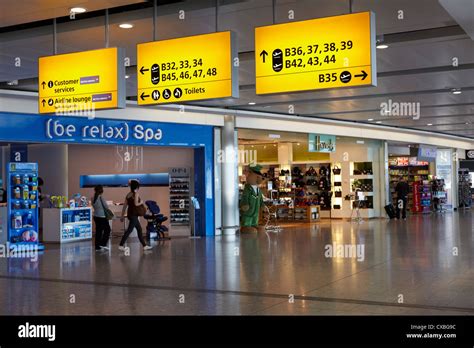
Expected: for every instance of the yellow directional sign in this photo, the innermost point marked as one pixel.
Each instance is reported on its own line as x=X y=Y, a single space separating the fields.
x=82 y=81
x=315 y=54
x=189 y=68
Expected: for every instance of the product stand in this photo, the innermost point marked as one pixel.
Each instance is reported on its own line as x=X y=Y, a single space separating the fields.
x=22 y=191
x=196 y=206
x=73 y=224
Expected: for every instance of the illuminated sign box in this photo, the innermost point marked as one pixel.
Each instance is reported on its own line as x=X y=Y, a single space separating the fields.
x=82 y=81
x=190 y=68
x=321 y=143
x=322 y=53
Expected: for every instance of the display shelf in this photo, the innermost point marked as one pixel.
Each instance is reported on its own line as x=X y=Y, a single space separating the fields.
x=362 y=176
x=57 y=227
x=22 y=187
x=180 y=191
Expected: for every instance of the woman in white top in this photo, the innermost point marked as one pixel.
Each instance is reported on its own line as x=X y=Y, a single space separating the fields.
x=102 y=227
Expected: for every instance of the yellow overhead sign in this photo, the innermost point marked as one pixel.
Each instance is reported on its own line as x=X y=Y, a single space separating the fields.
x=315 y=54
x=189 y=68
x=82 y=81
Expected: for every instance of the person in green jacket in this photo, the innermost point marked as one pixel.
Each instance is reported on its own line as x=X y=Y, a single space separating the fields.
x=252 y=200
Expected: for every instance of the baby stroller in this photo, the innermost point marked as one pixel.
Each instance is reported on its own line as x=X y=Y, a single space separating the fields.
x=154 y=227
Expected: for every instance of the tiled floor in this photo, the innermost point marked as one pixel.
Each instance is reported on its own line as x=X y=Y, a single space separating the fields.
x=408 y=267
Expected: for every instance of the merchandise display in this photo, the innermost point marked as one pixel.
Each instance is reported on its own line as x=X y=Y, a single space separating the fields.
x=440 y=196
x=179 y=199
x=73 y=223
x=421 y=194
x=411 y=170
x=464 y=188
x=23 y=203
x=362 y=185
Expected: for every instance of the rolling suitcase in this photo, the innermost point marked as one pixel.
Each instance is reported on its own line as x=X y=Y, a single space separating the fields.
x=390 y=210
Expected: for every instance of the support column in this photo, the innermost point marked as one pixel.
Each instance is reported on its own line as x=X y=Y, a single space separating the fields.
x=230 y=184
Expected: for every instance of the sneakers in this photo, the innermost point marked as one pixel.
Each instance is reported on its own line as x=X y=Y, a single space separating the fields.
x=121 y=248
x=147 y=247
x=104 y=247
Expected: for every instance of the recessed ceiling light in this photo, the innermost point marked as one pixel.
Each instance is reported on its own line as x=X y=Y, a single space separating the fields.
x=382 y=46
x=126 y=26
x=378 y=122
x=252 y=103
x=370 y=119
x=429 y=124
x=77 y=10
x=127 y=76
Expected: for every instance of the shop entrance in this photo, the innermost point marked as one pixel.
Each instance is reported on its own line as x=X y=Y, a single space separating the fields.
x=314 y=176
x=174 y=162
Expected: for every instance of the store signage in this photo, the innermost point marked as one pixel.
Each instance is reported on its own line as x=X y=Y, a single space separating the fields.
x=321 y=143
x=189 y=68
x=179 y=172
x=82 y=81
x=427 y=153
x=413 y=161
x=470 y=154
x=56 y=129
x=329 y=52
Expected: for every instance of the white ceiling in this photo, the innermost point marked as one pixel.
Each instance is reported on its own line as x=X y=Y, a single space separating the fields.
x=413 y=69
x=26 y=11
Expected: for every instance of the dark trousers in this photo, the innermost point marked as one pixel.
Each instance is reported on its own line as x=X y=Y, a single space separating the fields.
x=102 y=231
x=134 y=222
x=402 y=201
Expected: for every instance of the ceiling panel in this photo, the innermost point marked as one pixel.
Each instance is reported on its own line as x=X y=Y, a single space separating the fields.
x=410 y=71
x=14 y=12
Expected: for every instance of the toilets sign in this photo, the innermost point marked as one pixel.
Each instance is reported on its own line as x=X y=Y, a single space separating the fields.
x=102 y=133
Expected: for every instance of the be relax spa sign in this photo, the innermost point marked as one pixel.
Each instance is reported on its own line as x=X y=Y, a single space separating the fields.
x=102 y=132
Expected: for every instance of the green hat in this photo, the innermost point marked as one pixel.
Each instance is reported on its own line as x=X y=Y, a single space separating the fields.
x=256 y=168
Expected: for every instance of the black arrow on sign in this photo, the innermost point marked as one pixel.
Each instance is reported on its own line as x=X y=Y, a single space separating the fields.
x=142 y=70
x=263 y=54
x=143 y=95
x=363 y=75
x=43 y=102
x=43 y=84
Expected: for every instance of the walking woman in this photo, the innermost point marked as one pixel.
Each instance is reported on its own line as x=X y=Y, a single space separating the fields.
x=134 y=206
x=102 y=227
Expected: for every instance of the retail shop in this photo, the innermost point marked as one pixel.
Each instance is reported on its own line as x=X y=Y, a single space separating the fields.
x=172 y=162
x=435 y=183
x=314 y=176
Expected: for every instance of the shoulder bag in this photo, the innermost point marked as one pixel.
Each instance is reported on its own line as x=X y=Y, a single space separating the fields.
x=109 y=214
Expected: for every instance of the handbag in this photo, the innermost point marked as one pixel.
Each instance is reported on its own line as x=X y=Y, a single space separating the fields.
x=336 y=170
x=109 y=214
x=141 y=210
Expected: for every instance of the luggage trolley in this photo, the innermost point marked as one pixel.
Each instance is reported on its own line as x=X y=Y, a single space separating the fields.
x=270 y=210
x=358 y=197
